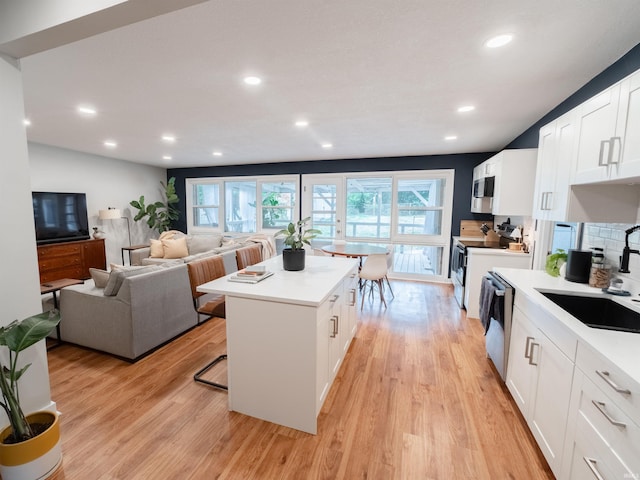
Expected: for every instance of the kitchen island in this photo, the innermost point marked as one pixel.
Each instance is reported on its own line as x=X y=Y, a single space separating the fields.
x=287 y=337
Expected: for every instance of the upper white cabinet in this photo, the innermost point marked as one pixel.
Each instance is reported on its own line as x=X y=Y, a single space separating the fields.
x=513 y=175
x=554 y=168
x=607 y=146
x=588 y=160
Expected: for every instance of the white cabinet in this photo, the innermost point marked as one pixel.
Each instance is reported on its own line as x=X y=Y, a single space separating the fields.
x=554 y=168
x=603 y=433
x=607 y=146
x=349 y=309
x=581 y=153
x=513 y=173
x=539 y=377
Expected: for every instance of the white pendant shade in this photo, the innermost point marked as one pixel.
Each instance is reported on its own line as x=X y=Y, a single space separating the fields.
x=110 y=214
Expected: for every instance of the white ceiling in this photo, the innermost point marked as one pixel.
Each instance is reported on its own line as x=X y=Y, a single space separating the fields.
x=373 y=77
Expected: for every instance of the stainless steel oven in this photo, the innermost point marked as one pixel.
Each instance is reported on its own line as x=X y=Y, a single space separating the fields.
x=496 y=310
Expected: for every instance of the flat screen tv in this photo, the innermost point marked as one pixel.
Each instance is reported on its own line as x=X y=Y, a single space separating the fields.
x=60 y=217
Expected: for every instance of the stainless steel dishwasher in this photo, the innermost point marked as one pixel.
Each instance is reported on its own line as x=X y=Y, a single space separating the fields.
x=499 y=295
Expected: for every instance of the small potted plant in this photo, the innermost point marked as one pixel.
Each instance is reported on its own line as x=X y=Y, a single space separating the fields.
x=30 y=444
x=295 y=238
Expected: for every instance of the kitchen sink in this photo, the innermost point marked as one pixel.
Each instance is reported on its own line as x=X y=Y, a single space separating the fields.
x=598 y=312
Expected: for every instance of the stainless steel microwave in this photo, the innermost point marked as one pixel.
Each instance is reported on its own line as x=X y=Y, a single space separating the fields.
x=483 y=187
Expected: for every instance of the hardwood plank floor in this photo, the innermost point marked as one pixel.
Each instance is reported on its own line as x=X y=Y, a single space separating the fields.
x=415 y=399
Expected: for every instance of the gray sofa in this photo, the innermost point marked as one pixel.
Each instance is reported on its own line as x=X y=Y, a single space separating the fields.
x=149 y=307
x=198 y=246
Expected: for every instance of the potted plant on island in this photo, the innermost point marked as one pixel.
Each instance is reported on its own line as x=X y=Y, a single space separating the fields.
x=30 y=444
x=295 y=238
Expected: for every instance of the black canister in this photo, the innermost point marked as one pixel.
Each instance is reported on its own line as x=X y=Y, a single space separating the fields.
x=578 y=266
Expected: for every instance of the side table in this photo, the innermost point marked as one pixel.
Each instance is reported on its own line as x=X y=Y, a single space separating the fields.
x=53 y=287
x=130 y=249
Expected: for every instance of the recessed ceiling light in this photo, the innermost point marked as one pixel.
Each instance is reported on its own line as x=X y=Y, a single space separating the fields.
x=86 y=110
x=499 y=40
x=327 y=145
x=217 y=154
x=302 y=123
x=252 y=80
x=168 y=138
x=166 y=157
x=450 y=137
x=110 y=144
x=466 y=108
x=26 y=122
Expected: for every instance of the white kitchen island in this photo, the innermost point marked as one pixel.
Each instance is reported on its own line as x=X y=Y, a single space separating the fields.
x=287 y=337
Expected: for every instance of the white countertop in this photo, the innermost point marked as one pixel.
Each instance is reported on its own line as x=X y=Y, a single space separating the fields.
x=311 y=286
x=622 y=348
x=496 y=251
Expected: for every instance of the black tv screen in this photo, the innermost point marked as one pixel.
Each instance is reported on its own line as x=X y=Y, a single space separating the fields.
x=60 y=217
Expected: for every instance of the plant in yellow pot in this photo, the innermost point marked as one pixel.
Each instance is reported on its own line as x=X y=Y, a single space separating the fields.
x=30 y=444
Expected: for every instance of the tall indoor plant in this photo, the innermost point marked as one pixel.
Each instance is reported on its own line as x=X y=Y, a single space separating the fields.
x=30 y=444
x=296 y=236
x=160 y=214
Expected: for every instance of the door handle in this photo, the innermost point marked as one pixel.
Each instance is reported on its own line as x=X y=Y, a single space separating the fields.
x=615 y=159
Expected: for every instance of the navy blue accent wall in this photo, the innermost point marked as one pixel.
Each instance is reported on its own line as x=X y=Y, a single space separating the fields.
x=626 y=65
x=462 y=164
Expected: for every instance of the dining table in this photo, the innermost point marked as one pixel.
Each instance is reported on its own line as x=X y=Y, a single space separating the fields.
x=354 y=250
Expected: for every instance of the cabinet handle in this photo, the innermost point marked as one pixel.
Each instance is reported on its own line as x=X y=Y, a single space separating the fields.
x=601 y=407
x=605 y=376
x=615 y=159
x=601 y=161
x=335 y=319
x=334 y=299
x=529 y=353
x=591 y=463
x=548 y=203
x=526 y=348
x=353 y=297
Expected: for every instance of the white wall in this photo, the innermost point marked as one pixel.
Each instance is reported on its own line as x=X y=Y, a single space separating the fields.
x=19 y=290
x=107 y=182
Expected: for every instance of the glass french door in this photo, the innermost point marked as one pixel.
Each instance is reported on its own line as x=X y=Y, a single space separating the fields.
x=323 y=201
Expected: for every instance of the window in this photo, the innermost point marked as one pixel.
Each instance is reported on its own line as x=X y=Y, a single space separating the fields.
x=206 y=204
x=241 y=205
x=409 y=213
x=369 y=208
x=278 y=201
x=420 y=205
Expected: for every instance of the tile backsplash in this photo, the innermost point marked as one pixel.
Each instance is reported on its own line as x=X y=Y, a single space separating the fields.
x=610 y=237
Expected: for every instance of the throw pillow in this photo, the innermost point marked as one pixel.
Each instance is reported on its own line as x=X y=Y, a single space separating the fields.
x=117 y=276
x=175 y=248
x=203 y=243
x=100 y=277
x=156 y=249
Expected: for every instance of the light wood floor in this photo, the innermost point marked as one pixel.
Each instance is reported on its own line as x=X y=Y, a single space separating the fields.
x=415 y=399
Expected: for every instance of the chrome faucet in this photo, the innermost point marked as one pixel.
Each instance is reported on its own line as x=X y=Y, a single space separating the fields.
x=626 y=251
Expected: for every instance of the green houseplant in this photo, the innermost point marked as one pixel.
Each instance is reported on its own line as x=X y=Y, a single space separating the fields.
x=161 y=213
x=37 y=433
x=296 y=236
x=554 y=262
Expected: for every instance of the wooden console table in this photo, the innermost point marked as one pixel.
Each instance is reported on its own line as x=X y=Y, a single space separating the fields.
x=58 y=261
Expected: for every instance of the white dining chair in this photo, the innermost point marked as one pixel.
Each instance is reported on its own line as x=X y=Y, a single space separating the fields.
x=372 y=274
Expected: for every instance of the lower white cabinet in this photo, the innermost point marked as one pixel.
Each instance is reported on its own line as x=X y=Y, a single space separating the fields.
x=603 y=437
x=539 y=377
